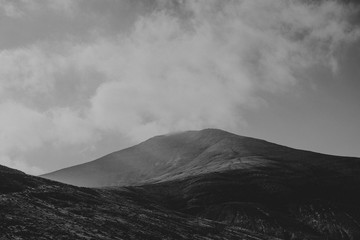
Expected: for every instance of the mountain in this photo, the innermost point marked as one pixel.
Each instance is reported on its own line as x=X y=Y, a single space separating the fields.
x=155 y=157
x=191 y=153
x=207 y=184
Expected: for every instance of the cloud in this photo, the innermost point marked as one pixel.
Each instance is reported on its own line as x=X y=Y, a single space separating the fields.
x=20 y=164
x=23 y=130
x=9 y=9
x=31 y=70
x=19 y=8
x=186 y=65
x=174 y=74
x=70 y=127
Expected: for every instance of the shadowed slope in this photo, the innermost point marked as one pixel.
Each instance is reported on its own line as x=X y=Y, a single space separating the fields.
x=36 y=208
x=269 y=199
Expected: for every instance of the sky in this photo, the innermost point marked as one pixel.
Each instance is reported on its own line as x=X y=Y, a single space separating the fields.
x=82 y=78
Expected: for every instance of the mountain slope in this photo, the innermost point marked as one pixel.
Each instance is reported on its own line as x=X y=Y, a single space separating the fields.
x=152 y=158
x=267 y=200
x=206 y=184
x=196 y=152
x=36 y=208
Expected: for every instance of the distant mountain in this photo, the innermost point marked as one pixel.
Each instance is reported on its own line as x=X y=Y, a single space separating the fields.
x=190 y=153
x=207 y=184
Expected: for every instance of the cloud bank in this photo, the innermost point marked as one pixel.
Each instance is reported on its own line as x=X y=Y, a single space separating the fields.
x=185 y=65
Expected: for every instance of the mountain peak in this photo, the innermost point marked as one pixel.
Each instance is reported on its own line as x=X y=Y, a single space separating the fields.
x=204 y=138
x=183 y=154
x=163 y=154
x=207 y=132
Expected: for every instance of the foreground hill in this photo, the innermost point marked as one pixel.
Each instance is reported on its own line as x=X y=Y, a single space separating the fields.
x=191 y=153
x=36 y=208
x=268 y=199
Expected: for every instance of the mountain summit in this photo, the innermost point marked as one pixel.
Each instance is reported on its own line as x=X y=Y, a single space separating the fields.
x=163 y=157
x=179 y=155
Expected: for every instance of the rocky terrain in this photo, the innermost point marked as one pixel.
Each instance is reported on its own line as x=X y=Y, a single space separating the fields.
x=207 y=184
x=36 y=208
